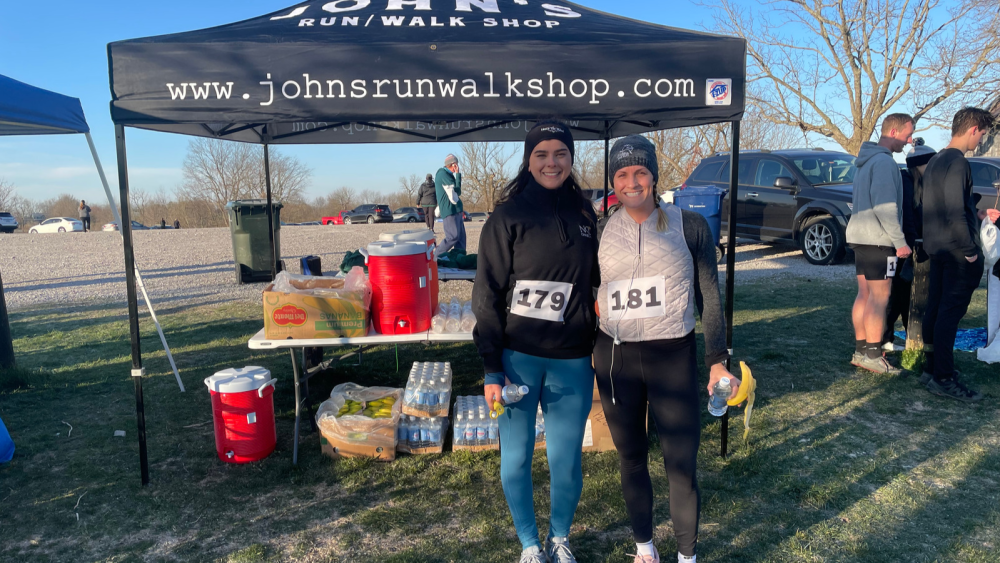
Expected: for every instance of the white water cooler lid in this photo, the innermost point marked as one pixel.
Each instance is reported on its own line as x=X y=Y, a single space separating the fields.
x=423 y=235
x=388 y=248
x=238 y=380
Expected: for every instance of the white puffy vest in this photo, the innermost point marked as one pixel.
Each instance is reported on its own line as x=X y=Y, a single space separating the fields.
x=629 y=250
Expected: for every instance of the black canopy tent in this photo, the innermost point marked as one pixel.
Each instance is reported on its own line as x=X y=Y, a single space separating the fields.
x=378 y=71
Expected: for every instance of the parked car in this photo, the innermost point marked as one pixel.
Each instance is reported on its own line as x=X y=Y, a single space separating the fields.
x=985 y=174
x=338 y=220
x=113 y=226
x=369 y=213
x=8 y=224
x=478 y=217
x=408 y=215
x=799 y=197
x=58 y=225
x=597 y=199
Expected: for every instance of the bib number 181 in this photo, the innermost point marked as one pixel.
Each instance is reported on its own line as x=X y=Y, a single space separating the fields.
x=542 y=300
x=641 y=298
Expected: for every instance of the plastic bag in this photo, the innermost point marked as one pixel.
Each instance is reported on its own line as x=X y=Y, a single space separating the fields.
x=354 y=286
x=357 y=428
x=989 y=235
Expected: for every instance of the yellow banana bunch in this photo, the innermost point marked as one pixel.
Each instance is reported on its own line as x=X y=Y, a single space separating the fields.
x=747 y=392
x=379 y=408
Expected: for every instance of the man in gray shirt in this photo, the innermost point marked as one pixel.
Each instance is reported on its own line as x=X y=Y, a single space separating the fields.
x=875 y=233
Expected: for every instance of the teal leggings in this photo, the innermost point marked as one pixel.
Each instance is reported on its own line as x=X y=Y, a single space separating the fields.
x=565 y=390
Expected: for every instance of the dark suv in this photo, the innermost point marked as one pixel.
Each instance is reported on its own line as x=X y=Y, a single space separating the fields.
x=370 y=213
x=798 y=197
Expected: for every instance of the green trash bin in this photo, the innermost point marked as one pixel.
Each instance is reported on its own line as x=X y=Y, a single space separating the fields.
x=251 y=246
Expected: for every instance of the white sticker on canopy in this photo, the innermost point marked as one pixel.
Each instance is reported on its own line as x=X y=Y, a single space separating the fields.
x=636 y=299
x=542 y=300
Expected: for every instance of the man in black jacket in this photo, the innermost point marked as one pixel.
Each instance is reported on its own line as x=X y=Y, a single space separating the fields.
x=427 y=199
x=899 y=297
x=951 y=239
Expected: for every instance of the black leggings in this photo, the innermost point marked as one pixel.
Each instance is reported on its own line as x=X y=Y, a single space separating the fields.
x=664 y=374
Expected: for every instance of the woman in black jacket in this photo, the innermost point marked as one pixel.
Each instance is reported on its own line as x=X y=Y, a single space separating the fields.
x=534 y=304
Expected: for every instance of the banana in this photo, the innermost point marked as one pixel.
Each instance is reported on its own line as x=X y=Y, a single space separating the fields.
x=748 y=393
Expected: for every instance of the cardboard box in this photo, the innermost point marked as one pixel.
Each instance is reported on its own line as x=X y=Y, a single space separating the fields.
x=597 y=434
x=294 y=315
x=337 y=448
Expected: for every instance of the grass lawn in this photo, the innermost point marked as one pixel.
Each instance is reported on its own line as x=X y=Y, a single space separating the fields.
x=840 y=465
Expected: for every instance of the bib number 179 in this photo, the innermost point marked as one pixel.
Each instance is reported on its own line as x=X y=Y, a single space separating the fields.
x=542 y=300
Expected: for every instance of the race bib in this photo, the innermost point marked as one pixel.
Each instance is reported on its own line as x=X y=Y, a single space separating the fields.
x=640 y=298
x=542 y=300
x=890 y=269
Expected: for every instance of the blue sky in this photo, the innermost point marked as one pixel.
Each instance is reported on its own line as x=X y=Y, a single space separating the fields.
x=61 y=45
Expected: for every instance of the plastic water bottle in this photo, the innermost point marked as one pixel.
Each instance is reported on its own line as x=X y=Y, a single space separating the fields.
x=720 y=394
x=414 y=430
x=457 y=438
x=469 y=431
x=513 y=393
x=539 y=425
x=438 y=324
x=468 y=318
x=481 y=431
x=402 y=435
x=493 y=432
x=434 y=432
x=425 y=432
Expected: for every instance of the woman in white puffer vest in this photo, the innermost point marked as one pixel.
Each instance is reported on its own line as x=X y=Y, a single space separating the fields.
x=657 y=265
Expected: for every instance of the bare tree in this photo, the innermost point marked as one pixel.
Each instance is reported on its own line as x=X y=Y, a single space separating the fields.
x=410 y=186
x=342 y=199
x=486 y=169
x=219 y=172
x=222 y=171
x=836 y=67
x=289 y=177
x=7 y=194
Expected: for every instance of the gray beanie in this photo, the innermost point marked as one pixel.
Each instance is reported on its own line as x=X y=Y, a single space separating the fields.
x=634 y=150
x=450 y=159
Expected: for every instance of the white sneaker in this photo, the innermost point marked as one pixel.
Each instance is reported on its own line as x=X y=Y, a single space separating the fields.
x=558 y=550
x=639 y=558
x=533 y=554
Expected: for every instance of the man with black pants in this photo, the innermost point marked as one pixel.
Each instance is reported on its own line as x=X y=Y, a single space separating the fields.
x=875 y=233
x=427 y=200
x=951 y=238
x=899 y=298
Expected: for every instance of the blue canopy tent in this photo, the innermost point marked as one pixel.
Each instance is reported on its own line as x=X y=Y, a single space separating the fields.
x=28 y=110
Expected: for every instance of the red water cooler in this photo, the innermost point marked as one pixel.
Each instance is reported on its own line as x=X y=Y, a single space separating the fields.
x=424 y=236
x=243 y=412
x=401 y=293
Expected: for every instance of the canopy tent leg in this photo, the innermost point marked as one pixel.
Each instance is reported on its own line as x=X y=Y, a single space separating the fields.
x=607 y=148
x=270 y=212
x=138 y=277
x=6 y=340
x=133 y=305
x=734 y=167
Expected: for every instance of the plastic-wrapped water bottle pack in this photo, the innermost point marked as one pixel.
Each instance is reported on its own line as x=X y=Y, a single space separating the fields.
x=454 y=317
x=421 y=435
x=428 y=389
x=473 y=428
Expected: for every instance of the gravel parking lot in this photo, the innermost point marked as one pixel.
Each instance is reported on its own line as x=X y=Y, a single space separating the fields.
x=195 y=266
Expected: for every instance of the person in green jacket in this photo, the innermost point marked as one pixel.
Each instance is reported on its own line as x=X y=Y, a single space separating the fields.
x=448 y=185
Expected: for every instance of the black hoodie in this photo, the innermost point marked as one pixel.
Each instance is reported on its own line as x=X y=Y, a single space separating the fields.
x=539 y=235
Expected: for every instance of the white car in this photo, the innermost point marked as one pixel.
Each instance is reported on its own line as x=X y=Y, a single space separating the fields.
x=58 y=225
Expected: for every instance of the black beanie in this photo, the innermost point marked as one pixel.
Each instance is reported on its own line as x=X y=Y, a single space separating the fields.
x=634 y=150
x=545 y=131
